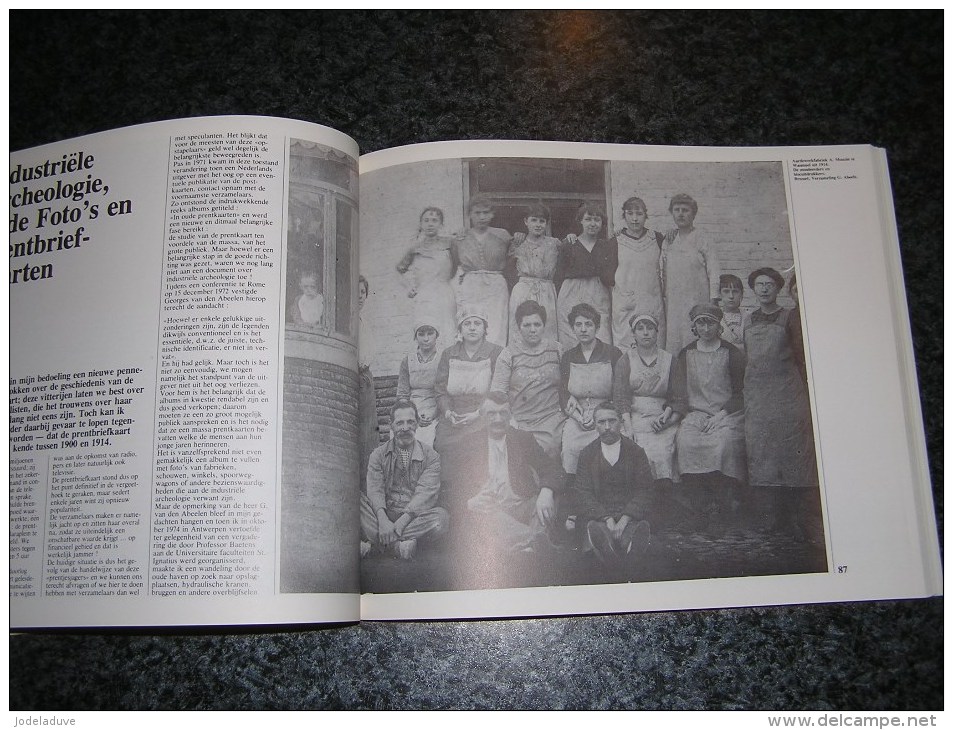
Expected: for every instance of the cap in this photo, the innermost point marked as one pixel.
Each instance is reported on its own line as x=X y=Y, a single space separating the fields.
x=470 y=311
x=636 y=318
x=705 y=311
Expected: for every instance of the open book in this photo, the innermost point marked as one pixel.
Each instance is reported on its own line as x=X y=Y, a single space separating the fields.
x=222 y=331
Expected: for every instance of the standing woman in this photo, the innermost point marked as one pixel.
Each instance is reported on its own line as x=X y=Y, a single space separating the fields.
x=463 y=377
x=637 y=280
x=427 y=269
x=641 y=390
x=777 y=410
x=481 y=253
x=690 y=272
x=584 y=275
x=535 y=258
x=417 y=379
x=527 y=372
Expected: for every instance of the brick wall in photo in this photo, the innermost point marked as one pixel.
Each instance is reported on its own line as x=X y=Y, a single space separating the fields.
x=319 y=480
x=741 y=206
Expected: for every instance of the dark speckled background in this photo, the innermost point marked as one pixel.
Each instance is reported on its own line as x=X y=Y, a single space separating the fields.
x=387 y=79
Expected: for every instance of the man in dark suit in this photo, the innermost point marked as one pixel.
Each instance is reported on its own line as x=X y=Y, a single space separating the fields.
x=503 y=484
x=614 y=490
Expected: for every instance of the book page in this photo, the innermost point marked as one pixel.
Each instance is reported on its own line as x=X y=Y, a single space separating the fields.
x=183 y=376
x=754 y=448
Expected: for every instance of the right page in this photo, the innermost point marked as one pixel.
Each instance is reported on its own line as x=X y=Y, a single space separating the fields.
x=623 y=378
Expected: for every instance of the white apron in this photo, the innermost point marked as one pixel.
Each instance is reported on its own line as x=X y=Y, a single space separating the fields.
x=590 y=384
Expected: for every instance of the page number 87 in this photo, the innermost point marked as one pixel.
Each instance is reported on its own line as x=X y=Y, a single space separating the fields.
x=841 y=568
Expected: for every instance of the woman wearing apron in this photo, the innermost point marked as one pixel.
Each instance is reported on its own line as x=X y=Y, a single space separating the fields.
x=527 y=371
x=481 y=255
x=427 y=269
x=641 y=391
x=417 y=379
x=637 y=279
x=707 y=392
x=535 y=258
x=777 y=409
x=463 y=378
x=690 y=272
x=584 y=275
x=586 y=381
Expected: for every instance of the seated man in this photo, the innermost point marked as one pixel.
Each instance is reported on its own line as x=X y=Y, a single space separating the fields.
x=614 y=490
x=403 y=483
x=507 y=481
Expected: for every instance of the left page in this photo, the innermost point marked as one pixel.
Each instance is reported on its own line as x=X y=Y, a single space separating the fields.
x=183 y=376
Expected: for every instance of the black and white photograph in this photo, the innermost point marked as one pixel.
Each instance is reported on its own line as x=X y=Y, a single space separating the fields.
x=319 y=461
x=585 y=371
